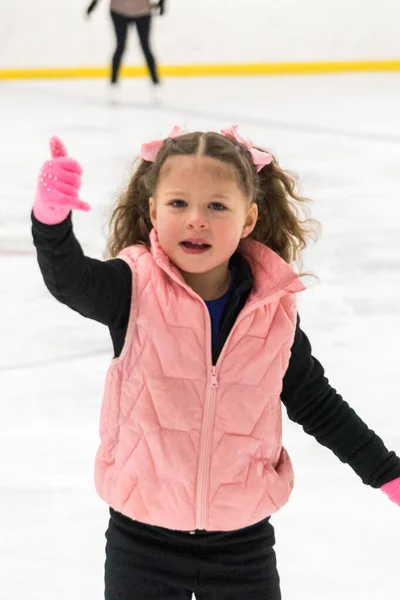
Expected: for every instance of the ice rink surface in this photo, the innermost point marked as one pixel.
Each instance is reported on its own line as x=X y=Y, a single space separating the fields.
x=336 y=538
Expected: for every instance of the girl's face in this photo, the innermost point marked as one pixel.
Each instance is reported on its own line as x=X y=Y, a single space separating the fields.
x=200 y=213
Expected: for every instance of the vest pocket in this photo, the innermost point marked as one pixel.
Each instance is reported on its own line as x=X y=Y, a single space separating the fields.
x=279 y=479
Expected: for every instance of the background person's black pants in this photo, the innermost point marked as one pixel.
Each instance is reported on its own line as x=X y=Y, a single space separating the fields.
x=121 y=24
x=152 y=563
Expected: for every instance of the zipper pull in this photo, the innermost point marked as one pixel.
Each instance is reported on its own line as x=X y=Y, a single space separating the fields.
x=214 y=380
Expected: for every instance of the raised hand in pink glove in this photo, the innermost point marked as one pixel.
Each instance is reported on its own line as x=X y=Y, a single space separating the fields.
x=392 y=489
x=58 y=186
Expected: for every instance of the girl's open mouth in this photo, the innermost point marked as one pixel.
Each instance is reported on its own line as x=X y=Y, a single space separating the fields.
x=193 y=248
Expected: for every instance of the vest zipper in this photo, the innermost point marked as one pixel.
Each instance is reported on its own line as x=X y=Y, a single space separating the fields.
x=203 y=480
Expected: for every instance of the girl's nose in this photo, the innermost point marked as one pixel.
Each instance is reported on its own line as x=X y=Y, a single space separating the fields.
x=197 y=220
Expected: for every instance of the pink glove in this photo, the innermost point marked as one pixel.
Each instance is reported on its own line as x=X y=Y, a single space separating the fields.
x=58 y=186
x=392 y=489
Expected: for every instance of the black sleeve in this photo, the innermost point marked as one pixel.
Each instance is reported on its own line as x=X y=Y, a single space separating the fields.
x=99 y=290
x=313 y=403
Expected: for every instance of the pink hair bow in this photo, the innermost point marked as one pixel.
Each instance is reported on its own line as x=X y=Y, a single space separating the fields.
x=260 y=159
x=150 y=150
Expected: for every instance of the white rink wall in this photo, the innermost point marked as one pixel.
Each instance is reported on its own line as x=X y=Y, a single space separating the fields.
x=55 y=33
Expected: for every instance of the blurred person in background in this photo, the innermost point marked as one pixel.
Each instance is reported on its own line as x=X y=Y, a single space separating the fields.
x=124 y=13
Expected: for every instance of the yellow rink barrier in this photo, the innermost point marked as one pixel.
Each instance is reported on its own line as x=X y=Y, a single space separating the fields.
x=208 y=70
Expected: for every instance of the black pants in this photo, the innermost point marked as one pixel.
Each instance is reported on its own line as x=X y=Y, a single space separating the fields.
x=121 y=24
x=152 y=563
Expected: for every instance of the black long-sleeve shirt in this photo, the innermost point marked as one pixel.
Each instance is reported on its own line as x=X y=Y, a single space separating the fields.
x=101 y=290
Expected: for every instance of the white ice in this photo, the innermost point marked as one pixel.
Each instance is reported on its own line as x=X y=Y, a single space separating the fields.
x=336 y=538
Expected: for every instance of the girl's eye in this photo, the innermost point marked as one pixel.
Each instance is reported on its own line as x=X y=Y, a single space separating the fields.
x=218 y=206
x=178 y=203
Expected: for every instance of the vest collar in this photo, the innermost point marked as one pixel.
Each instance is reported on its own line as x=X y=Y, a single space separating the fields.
x=271 y=274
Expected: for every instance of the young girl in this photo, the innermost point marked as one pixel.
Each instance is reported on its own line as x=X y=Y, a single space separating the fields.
x=199 y=296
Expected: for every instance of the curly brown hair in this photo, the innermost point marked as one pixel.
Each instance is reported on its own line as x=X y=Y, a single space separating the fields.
x=283 y=224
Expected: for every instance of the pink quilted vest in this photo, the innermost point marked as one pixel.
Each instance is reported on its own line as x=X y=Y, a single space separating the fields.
x=184 y=444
